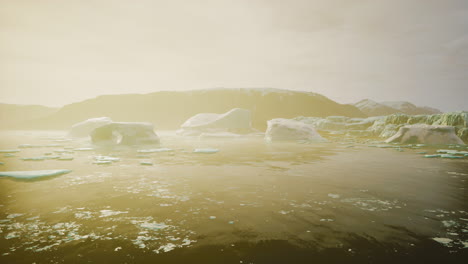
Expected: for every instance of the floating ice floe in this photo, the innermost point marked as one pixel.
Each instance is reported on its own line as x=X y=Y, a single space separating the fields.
x=65 y=158
x=146 y=163
x=27 y=175
x=33 y=159
x=106 y=158
x=40 y=146
x=106 y=213
x=83 y=149
x=102 y=162
x=9 y=150
x=154 y=150
x=443 y=240
x=334 y=196
x=448 y=156
x=206 y=150
x=452 y=151
x=432 y=156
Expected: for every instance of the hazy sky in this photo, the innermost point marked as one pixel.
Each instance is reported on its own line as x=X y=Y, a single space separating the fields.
x=58 y=52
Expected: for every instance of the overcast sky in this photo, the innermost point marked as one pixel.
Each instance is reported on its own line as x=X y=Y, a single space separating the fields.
x=59 y=52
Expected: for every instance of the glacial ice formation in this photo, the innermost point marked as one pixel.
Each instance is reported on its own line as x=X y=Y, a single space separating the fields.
x=236 y=120
x=280 y=129
x=425 y=134
x=83 y=129
x=125 y=133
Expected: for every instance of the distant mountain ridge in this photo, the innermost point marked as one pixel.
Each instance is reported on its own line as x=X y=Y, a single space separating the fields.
x=12 y=115
x=169 y=109
x=372 y=108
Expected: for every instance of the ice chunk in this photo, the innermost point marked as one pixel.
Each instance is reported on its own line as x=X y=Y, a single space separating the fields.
x=83 y=149
x=443 y=240
x=102 y=162
x=40 y=146
x=334 y=196
x=146 y=163
x=106 y=158
x=125 y=133
x=9 y=150
x=206 y=150
x=27 y=175
x=65 y=158
x=448 y=156
x=432 y=156
x=83 y=129
x=106 y=213
x=154 y=150
x=287 y=129
x=34 y=159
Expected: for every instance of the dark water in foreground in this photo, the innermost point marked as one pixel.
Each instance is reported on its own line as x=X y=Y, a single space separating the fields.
x=249 y=203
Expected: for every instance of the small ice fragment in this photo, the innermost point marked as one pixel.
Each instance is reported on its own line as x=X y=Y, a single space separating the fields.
x=106 y=158
x=33 y=159
x=117 y=248
x=206 y=150
x=154 y=150
x=166 y=248
x=153 y=226
x=146 y=163
x=9 y=155
x=10 y=216
x=334 y=196
x=212 y=217
x=231 y=222
x=432 y=156
x=106 y=213
x=26 y=175
x=102 y=162
x=422 y=152
x=65 y=158
x=449 y=156
x=12 y=235
x=443 y=240
x=9 y=150
x=83 y=149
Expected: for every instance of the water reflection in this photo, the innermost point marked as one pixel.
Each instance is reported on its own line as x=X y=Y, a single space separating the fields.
x=250 y=202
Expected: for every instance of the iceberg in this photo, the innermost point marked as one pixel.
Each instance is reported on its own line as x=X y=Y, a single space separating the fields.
x=236 y=120
x=280 y=129
x=29 y=175
x=83 y=129
x=425 y=134
x=125 y=133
